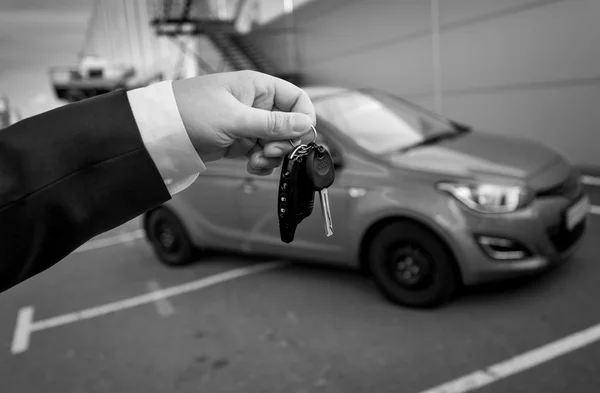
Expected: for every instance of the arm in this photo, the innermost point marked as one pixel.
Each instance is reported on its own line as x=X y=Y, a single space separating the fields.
x=77 y=171
x=66 y=176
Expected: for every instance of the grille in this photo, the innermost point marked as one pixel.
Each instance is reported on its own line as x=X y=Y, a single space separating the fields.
x=571 y=188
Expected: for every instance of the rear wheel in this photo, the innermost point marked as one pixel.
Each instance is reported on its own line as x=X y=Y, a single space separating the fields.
x=169 y=239
x=411 y=266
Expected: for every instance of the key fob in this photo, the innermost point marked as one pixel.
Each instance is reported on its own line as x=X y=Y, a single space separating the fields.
x=295 y=197
x=321 y=174
x=319 y=168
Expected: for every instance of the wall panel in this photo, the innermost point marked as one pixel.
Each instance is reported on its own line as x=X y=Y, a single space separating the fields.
x=518 y=67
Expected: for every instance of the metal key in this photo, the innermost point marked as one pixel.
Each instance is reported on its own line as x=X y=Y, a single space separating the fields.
x=319 y=169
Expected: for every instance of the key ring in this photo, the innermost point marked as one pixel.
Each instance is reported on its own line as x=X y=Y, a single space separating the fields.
x=298 y=151
x=300 y=143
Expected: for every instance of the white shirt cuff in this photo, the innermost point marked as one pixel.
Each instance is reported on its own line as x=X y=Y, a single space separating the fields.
x=163 y=133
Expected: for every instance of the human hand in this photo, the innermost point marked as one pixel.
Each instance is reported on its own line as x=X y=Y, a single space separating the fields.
x=243 y=114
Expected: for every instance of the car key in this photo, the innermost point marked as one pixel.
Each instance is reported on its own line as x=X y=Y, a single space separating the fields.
x=320 y=171
x=296 y=194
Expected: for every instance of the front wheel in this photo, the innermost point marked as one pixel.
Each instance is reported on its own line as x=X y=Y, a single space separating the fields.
x=411 y=266
x=169 y=238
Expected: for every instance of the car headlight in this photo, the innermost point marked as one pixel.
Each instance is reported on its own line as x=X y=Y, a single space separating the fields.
x=489 y=198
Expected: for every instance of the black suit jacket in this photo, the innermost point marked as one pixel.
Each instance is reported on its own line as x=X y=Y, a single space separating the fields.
x=68 y=175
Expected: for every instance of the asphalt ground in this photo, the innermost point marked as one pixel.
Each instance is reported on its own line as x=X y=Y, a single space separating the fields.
x=291 y=328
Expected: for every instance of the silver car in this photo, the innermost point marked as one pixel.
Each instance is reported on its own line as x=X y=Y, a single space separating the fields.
x=420 y=203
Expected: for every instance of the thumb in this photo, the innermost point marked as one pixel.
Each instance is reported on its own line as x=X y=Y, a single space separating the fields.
x=274 y=125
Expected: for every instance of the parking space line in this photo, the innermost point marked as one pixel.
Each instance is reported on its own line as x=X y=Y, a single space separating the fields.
x=517 y=364
x=22 y=330
x=25 y=326
x=111 y=241
x=590 y=180
x=163 y=306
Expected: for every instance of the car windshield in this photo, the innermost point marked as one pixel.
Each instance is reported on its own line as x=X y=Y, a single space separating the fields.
x=379 y=122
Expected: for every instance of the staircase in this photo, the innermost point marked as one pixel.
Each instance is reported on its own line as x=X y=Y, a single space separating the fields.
x=234 y=46
x=242 y=55
x=238 y=52
x=235 y=56
x=258 y=59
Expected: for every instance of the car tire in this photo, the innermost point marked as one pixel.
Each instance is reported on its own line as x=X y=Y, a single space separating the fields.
x=411 y=266
x=169 y=239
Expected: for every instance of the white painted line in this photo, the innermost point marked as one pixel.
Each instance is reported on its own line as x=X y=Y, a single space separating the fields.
x=590 y=180
x=111 y=241
x=163 y=306
x=595 y=209
x=25 y=327
x=23 y=330
x=517 y=364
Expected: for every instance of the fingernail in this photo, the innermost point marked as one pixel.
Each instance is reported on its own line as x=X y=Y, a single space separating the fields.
x=257 y=161
x=275 y=152
x=300 y=122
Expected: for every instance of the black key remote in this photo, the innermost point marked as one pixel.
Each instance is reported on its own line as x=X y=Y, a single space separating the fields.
x=295 y=198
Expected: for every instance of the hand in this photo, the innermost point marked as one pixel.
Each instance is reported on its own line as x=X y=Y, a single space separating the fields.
x=243 y=114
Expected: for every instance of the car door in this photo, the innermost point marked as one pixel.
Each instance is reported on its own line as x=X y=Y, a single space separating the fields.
x=259 y=209
x=211 y=204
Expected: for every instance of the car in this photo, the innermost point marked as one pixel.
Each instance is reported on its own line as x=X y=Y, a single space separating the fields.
x=420 y=203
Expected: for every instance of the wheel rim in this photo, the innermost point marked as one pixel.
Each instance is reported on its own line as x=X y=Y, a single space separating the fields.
x=410 y=266
x=167 y=238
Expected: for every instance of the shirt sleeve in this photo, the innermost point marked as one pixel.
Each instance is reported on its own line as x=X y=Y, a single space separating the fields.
x=164 y=135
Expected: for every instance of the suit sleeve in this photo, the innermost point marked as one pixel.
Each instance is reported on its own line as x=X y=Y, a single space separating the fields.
x=66 y=176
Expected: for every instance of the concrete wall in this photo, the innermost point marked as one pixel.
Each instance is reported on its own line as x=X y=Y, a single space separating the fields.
x=517 y=67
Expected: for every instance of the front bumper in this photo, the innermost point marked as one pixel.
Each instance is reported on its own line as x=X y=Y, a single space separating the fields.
x=540 y=230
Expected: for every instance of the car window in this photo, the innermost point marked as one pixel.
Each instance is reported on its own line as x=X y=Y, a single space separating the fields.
x=377 y=123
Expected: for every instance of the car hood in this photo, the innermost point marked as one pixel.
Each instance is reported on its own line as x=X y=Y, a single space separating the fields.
x=478 y=154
